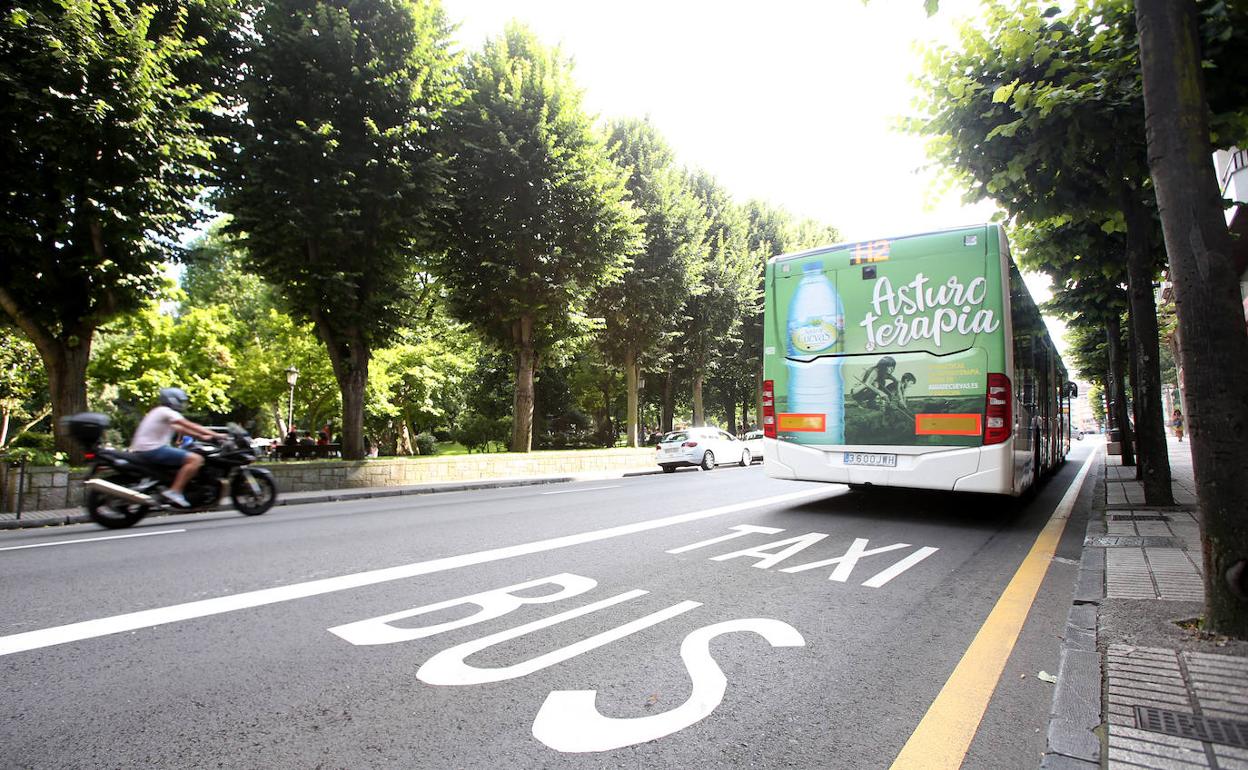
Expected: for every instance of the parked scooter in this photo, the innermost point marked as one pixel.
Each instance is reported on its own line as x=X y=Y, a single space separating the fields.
x=121 y=488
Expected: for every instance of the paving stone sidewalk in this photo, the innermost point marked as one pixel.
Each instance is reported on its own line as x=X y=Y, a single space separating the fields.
x=1169 y=697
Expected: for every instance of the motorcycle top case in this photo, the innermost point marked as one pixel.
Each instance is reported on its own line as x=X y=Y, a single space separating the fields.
x=86 y=427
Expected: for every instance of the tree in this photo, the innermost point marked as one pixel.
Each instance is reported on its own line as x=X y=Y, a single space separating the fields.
x=421 y=381
x=771 y=232
x=22 y=383
x=726 y=291
x=1041 y=111
x=103 y=152
x=543 y=222
x=1213 y=339
x=142 y=352
x=216 y=274
x=647 y=304
x=339 y=176
x=1089 y=291
x=275 y=343
x=262 y=338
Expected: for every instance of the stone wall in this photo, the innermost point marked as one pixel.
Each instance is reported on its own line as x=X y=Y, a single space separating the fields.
x=52 y=488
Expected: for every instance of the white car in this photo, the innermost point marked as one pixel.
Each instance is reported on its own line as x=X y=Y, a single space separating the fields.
x=704 y=447
x=754 y=442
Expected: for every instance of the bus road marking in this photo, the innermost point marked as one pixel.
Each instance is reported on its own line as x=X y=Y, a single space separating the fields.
x=569 y=720
x=944 y=734
x=89 y=629
x=93 y=539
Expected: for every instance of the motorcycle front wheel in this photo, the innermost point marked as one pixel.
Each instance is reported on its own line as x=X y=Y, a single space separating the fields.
x=113 y=513
x=250 y=500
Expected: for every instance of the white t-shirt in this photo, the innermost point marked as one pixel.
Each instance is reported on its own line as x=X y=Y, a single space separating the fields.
x=155 y=430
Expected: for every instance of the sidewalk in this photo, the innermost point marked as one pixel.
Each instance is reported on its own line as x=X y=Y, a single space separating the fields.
x=56 y=517
x=1139 y=687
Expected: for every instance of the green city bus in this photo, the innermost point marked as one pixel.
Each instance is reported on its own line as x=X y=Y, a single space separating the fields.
x=919 y=361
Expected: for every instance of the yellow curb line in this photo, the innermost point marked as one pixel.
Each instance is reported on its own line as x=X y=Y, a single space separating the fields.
x=944 y=734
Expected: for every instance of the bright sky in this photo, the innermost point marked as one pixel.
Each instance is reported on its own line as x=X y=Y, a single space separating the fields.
x=794 y=104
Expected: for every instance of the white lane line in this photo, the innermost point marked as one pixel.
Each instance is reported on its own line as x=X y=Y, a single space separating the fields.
x=88 y=629
x=586 y=489
x=93 y=539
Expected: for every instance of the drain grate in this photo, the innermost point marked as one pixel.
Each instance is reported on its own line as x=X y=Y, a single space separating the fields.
x=1132 y=541
x=1138 y=517
x=1182 y=725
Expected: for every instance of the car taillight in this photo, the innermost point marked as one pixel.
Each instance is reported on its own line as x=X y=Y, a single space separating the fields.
x=769 y=408
x=89 y=456
x=998 y=427
x=690 y=444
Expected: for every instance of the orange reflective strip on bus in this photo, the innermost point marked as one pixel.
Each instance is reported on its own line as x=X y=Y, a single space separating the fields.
x=810 y=423
x=947 y=425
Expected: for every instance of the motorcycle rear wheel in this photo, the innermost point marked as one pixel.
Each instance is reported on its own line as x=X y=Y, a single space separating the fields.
x=113 y=513
x=251 y=503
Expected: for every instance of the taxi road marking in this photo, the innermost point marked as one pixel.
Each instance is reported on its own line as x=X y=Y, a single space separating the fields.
x=943 y=736
x=89 y=629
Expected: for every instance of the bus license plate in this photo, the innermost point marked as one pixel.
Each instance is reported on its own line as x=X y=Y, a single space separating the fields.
x=868 y=458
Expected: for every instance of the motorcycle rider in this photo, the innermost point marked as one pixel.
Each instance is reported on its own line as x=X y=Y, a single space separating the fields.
x=151 y=441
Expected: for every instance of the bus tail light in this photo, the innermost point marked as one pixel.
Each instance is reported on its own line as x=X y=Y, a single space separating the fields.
x=999 y=423
x=769 y=408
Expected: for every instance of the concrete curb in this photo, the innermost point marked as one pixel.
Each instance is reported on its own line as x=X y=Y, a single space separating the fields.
x=1076 y=727
x=332 y=496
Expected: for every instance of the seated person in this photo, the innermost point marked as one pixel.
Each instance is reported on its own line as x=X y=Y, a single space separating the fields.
x=151 y=442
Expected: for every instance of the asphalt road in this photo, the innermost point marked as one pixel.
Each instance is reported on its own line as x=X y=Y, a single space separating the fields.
x=603 y=630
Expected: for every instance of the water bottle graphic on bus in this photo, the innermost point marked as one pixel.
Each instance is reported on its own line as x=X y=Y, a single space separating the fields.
x=816 y=327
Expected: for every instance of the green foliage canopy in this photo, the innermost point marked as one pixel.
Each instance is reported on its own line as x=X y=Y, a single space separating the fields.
x=543 y=220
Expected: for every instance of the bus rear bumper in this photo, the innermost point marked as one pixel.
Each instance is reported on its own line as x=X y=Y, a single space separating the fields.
x=972 y=469
x=995 y=474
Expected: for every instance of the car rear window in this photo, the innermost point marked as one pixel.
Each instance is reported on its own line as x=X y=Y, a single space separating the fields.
x=675 y=437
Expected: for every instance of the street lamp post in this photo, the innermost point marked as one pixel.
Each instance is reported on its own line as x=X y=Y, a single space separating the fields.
x=292 y=375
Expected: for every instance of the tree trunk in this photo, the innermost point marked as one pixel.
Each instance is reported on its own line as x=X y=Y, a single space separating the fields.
x=279 y=419
x=4 y=429
x=522 y=403
x=1107 y=390
x=1150 y=425
x=669 y=403
x=631 y=375
x=1210 y=311
x=1133 y=366
x=65 y=358
x=1118 y=388
x=66 y=366
x=349 y=354
x=732 y=416
x=699 y=414
x=403 y=445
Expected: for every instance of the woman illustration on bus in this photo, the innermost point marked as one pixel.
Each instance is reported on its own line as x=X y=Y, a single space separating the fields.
x=876 y=382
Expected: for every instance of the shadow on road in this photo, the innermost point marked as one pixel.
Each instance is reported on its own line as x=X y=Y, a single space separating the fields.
x=964 y=510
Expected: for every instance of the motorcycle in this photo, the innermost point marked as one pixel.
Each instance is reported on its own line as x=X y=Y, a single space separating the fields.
x=121 y=488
